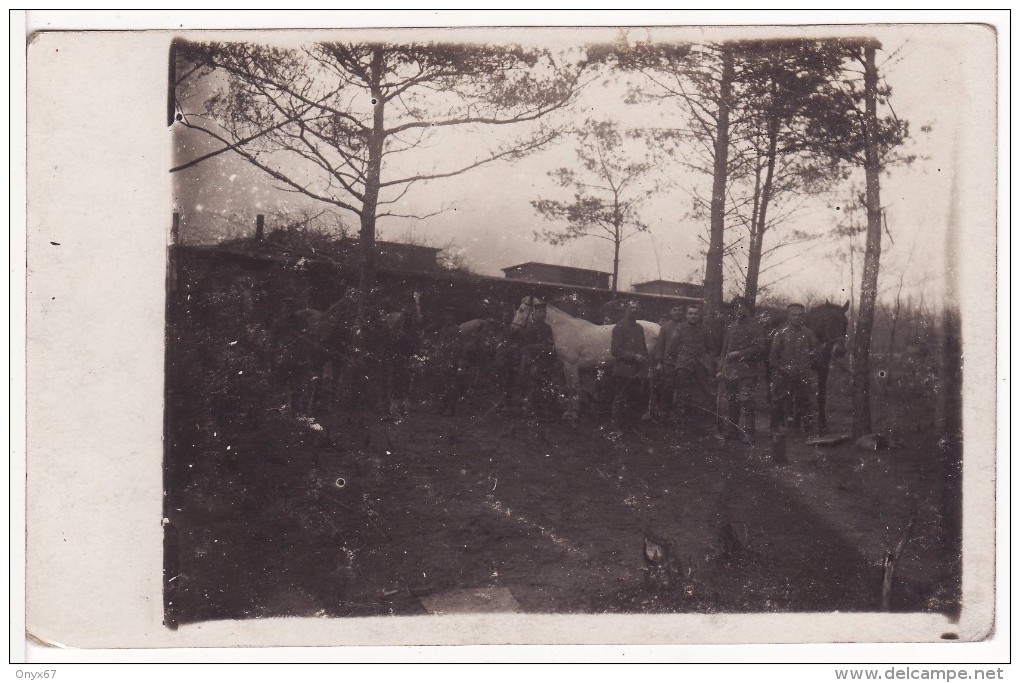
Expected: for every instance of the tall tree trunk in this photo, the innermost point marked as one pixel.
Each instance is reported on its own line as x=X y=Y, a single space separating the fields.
x=617 y=237
x=616 y=261
x=852 y=312
x=861 y=384
x=753 y=267
x=714 y=260
x=366 y=275
x=754 y=246
x=950 y=419
x=755 y=204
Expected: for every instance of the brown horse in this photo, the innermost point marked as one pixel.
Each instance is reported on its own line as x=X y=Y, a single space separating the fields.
x=829 y=323
x=305 y=353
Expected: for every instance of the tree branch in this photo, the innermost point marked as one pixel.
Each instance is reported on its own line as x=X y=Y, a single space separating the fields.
x=529 y=146
x=239 y=143
x=279 y=176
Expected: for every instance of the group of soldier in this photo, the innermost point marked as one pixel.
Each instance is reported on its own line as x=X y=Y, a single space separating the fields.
x=689 y=364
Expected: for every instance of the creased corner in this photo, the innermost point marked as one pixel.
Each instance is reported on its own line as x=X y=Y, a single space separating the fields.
x=43 y=642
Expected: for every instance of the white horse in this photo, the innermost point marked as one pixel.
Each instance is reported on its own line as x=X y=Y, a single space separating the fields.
x=579 y=344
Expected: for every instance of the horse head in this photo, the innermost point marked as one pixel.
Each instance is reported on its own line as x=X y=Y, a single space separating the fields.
x=829 y=323
x=524 y=312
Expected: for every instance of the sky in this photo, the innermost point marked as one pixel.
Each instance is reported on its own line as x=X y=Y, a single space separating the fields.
x=489 y=221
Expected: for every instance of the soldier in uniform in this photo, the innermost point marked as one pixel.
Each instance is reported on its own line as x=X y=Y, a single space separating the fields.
x=538 y=355
x=508 y=362
x=740 y=365
x=630 y=359
x=662 y=378
x=402 y=343
x=794 y=352
x=689 y=356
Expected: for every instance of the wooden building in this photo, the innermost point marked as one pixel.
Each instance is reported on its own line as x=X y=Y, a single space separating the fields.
x=669 y=288
x=556 y=274
x=319 y=281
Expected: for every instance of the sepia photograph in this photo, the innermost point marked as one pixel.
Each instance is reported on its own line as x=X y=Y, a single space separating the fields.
x=564 y=327
x=619 y=321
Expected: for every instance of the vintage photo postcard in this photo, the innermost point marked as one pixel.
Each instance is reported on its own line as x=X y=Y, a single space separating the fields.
x=619 y=335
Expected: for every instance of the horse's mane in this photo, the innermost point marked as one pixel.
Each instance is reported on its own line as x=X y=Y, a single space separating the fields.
x=828 y=320
x=321 y=323
x=584 y=323
x=828 y=306
x=550 y=307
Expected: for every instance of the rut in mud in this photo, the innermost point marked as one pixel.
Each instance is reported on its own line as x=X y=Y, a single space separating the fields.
x=370 y=517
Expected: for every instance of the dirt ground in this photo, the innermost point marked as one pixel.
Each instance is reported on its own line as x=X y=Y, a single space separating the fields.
x=372 y=516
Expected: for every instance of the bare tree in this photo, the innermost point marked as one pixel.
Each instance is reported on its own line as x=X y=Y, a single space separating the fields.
x=329 y=120
x=700 y=79
x=846 y=235
x=721 y=99
x=852 y=132
x=782 y=84
x=608 y=190
x=894 y=323
x=745 y=107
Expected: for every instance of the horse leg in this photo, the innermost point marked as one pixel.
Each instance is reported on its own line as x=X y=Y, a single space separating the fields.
x=656 y=389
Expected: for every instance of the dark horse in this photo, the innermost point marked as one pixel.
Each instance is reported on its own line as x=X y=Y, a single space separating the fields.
x=829 y=323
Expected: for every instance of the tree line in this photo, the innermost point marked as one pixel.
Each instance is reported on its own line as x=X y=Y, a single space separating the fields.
x=769 y=122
